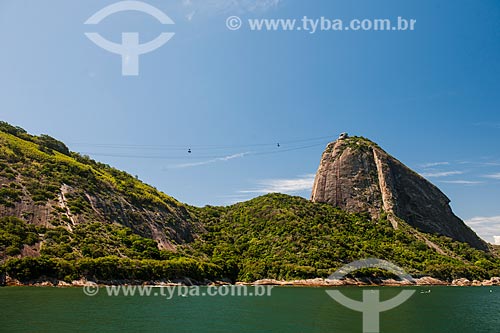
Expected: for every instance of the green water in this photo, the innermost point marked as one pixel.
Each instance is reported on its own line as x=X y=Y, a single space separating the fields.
x=444 y=309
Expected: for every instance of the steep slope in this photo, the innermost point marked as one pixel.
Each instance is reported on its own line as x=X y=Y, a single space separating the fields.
x=356 y=175
x=44 y=184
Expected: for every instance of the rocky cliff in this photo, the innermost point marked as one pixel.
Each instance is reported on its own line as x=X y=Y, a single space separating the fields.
x=356 y=175
x=44 y=184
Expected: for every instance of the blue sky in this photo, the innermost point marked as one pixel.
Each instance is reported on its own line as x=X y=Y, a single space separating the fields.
x=430 y=97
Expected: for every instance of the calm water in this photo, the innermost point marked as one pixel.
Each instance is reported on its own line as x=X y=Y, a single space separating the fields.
x=445 y=309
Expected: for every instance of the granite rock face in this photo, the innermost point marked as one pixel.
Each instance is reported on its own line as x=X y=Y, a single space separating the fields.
x=356 y=175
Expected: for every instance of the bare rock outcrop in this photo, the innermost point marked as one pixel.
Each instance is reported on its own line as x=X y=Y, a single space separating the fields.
x=462 y=282
x=168 y=222
x=356 y=175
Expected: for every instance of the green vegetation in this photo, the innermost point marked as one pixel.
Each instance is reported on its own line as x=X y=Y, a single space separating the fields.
x=284 y=237
x=90 y=251
x=95 y=240
x=45 y=142
x=45 y=163
x=359 y=143
x=109 y=268
x=81 y=218
x=14 y=233
x=354 y=143
x=9 y=194
x=39 y=168
x=64 y=227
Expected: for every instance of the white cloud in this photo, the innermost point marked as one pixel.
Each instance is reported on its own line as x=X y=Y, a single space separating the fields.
x=439 y=174
x=496 y=240
x=289 y=186
x=487 y=227
x=214 y=160
x=462 y=182
x=493 y=176
x=235 y=198
x=233 y=6
x=488 y=124
x=433 y=164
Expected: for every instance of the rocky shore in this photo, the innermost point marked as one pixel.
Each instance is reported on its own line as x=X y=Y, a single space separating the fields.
x=318 y=282
x=50 y=282
x=495 y=281
x=423 y=281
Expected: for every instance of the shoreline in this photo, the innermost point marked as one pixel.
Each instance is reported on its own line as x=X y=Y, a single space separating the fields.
x=317 y=282
x=423 y=281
